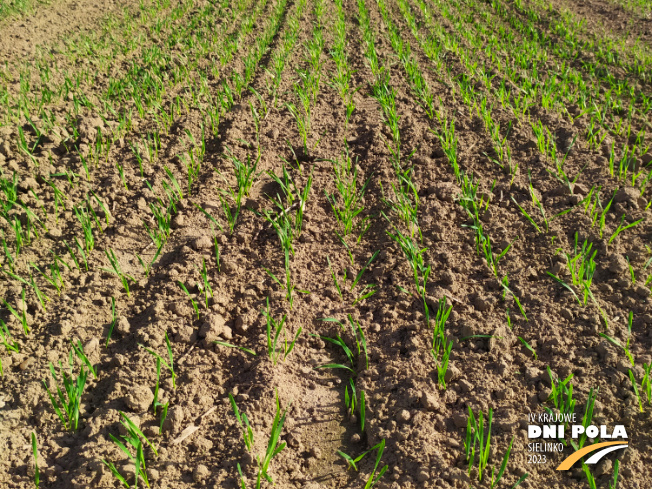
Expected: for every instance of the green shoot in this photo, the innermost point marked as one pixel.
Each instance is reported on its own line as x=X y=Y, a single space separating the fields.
x=116 y=269
x=527 y=345
x=229 y=345
x=67 y=403
x=243 y=421
x=79 y=351
x=274 y=330
x=37 y=472
x=134 y=437
x=169 y=363
x=273 y=445
x=192 y=301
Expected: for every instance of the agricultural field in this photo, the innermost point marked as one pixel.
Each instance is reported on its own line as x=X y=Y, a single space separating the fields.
x=325 y=243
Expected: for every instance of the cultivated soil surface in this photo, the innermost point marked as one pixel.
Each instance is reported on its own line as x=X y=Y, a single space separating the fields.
x=92 y=48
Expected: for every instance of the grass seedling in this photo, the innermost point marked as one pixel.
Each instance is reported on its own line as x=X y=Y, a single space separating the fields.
x=37 y=472
x=612 y=485
x=646 y=383
x=589 y=477
x=273 y=446
x=229 y=345
x=42 y=298
x=363 y=410
x=116 y=269
x=415 y=257
x=586 y=419
x=360 y=340
x=363 y=269
x=527 y=216
x=561 y=394
x=217 y=253
x=625 y=347
x=22 y=316
x=7 y=340
x=192 y=301
x=347 y=351
x=495 y=480
x=114 y=320
x=440 y=343
x=147 y=266
x=346 y=202
x=581 y=266
x=211 y=218
x=230 y=214
x=207 y=286
x=622 y=228
x=79 y=351
x=631 y=271
x=134 y=437
x=337 y=284
x=274 y=330
x=87 y=227
x=243 y=421
x=245 y=173
x=376 y=474
x=67 y=403
x=477 y=438
x=169 y=363
x=636 y=392
x=530 y=349
x=350 y=401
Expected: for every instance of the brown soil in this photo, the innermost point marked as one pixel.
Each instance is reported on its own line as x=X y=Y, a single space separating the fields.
x=422 y=425
x=603 y=15
x=51 y=23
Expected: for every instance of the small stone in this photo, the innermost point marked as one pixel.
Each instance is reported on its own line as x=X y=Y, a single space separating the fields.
x=54 y=233
x=567 y=314
x=202 y=243
x=618 y=264
x=627 y=194
x=355 y=438
x=65 y=327
x=481 y=303
x=646 y=158
x=123 y=327
x=532 y=373
x=403 y=416
x=465 y=385
x=452 y=373
x=429 y=401
x=423 y=476
x=229 y=267
x=459 y=420
x=467 y=329
x=139 y=399
x=241 y=326
x=186 y=334
x=605 y=467
x=200 y=473
x=174 y=421
x=445 y=191
x=91 y=346
x=179 y=221
x=27 y=363
x=215 y=327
